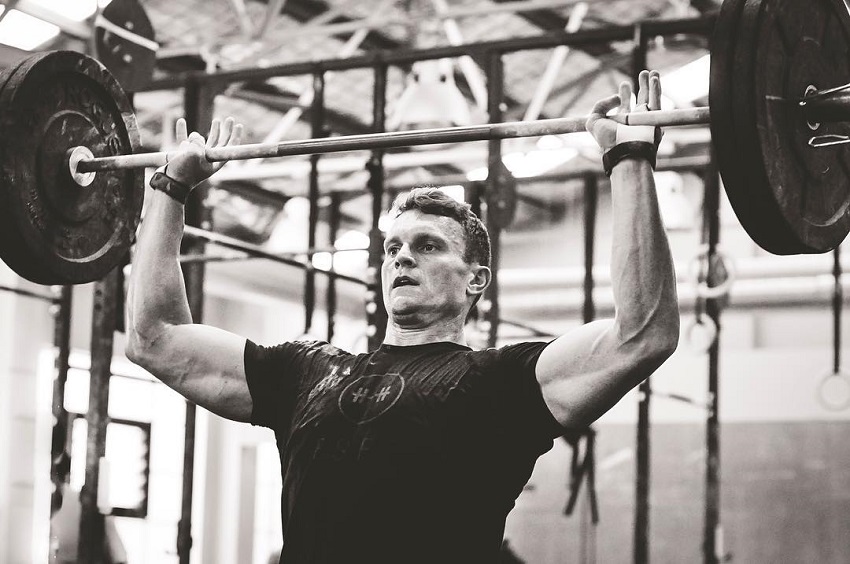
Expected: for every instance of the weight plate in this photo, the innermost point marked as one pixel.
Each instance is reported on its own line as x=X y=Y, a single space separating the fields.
x=720 y=95
x=789 y=197
x=130 y=62
x=53 y=231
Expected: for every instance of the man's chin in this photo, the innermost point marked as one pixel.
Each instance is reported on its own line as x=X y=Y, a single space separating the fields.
x=404 y=308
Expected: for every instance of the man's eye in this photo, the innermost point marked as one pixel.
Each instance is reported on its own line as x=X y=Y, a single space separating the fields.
x=392 y=251
x=429 y=247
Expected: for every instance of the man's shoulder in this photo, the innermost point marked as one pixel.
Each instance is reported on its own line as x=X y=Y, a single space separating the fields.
x=507 y=353
x=319 y=345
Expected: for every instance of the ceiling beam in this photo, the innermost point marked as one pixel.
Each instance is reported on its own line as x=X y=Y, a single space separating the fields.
x=304 y=11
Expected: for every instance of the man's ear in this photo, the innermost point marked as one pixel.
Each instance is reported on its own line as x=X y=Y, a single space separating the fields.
x=479 y=279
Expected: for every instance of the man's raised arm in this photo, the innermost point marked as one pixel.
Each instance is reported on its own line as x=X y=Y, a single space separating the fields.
x=585 y=372
x=202 y=363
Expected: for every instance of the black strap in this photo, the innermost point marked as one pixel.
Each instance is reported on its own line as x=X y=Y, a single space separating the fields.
x=174 y=188
x=628 y=150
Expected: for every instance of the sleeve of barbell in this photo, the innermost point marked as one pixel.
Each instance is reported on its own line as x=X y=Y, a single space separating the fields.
x=369 y=141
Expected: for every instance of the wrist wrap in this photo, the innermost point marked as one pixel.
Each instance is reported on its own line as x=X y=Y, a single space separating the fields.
x=628 y=150
x=176 y=189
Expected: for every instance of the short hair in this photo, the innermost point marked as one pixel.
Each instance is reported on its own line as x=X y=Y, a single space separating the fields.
x=431 y=199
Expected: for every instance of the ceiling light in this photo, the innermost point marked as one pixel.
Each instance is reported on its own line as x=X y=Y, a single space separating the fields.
x=24 y=31
x=323 y=261
x=352 y=240
x=535 y=163
x=548 y=142
x=385 y=221
x=527 y=164
x=455 y=191
x=351 y=261
x=477 y=174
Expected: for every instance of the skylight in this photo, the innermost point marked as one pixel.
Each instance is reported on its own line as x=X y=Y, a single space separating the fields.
x=76 y=10
x=687 y=83
x=24 y=31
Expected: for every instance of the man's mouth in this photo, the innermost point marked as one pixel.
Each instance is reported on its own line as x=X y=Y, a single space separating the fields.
x=404 y=281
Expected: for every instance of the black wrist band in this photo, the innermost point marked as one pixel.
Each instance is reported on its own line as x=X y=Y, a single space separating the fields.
x=629 y=150
x=174 y=188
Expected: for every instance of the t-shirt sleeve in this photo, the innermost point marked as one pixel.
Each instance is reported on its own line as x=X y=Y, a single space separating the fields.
x=274 y=375
x=522 y=403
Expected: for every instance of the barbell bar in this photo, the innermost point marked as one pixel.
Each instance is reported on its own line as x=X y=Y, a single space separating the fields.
x=71 y=188
x=832 y=108
x=387 y=140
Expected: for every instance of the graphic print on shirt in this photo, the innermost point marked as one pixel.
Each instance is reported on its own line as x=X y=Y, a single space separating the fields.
x=328 y=382
x=369 y=397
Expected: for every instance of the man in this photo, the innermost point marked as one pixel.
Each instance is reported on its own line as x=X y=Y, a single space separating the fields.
x=415 y=452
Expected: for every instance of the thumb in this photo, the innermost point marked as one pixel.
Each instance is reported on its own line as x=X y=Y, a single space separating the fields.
x=600 y=110
x=181 y=132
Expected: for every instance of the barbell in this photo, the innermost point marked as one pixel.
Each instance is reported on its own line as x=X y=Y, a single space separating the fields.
x=72 y=187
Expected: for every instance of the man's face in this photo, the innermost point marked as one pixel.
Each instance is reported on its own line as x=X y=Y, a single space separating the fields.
x=424 y=276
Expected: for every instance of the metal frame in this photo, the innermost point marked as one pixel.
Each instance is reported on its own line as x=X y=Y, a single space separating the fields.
x=642 y=439
x=104 y=318
x=58 y=445
x=198 y=102
x=400 y=57
x=30 y=294
x=711 y=237
x=255 y=251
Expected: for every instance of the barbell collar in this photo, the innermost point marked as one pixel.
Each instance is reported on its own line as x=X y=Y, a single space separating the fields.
x=369 y=141
x=827 y=109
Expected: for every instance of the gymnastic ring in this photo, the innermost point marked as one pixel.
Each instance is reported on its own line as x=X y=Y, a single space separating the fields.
x=700 y=333
x=834 y=390
x=703 y=290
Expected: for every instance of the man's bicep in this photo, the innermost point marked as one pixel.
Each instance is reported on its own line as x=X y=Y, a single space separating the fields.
x=206 y=366
x=583 y=373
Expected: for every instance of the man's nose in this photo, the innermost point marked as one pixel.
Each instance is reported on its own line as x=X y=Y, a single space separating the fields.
x=404 y=256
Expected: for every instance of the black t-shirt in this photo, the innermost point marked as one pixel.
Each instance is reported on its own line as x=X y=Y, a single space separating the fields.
x=405 y=455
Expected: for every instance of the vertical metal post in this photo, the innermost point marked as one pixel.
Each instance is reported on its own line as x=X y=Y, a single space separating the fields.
x=62 y=344
x=376 y=314
x=837 y=305
x=317 y=124
x=198 y=102
x=91 y=539
x=591 y=199
x=495 y=101
x=642 y=456
x=334 y=219
x=712 y=543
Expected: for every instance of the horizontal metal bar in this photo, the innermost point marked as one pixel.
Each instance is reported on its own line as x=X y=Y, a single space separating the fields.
x=259 y=252
x=29 y=294
x=701 y=25
x=509 y=130
x=524 y=326
x=192 y=258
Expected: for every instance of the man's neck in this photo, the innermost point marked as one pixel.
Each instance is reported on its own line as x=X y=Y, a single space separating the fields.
x=408 y=336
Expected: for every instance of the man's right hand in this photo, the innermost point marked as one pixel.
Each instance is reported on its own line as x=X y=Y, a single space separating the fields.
x=189 y=165
x=607 y=132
